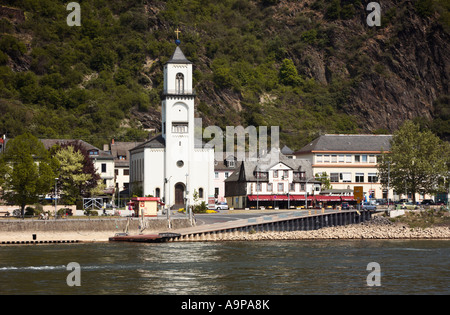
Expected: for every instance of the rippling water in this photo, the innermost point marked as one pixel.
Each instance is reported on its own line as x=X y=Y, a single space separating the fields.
x=266 y=267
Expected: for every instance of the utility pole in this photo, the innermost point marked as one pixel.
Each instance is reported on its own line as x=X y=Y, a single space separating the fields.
x=389 y=178
x=56 y=200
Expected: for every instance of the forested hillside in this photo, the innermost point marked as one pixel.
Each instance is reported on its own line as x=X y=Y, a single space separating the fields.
x=310 y=66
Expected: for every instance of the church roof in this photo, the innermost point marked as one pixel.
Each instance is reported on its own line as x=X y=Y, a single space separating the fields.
x=178 y=57
x=155 y=142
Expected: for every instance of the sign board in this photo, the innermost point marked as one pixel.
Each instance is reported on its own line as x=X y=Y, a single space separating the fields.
x=358 y=193
x=211 y=202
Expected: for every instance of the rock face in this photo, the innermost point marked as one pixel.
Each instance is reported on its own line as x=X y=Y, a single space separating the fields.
x=412 y=69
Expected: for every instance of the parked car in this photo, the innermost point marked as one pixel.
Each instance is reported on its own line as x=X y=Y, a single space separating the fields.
x=409 y=206
x=345 y=206
x=221 y=206
x=428 y=202
x=368 y=206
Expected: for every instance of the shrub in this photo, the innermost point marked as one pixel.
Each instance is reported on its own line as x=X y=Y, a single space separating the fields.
x=200 y=208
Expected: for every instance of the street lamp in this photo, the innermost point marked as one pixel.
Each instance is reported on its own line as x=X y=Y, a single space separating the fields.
x=167 y=180
x=306 y=193
x=389 y=179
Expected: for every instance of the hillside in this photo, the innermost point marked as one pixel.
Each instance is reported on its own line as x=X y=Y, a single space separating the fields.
x=310 y=66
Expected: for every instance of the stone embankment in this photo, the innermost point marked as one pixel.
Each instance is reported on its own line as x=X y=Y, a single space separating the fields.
x=377 y=228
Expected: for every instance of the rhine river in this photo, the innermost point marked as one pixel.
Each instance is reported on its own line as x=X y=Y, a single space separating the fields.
x=229 y=268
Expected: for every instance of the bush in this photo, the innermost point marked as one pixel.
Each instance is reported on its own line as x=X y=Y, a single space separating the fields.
x=201 y=208
x=92 y=213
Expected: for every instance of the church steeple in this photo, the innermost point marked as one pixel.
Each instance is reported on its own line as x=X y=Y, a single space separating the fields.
x=178 y=57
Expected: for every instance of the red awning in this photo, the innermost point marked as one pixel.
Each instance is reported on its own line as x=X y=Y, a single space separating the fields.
x=277 y=197
x=328 y=198
x=347 y=198
x=260 y=197
x=301 y=197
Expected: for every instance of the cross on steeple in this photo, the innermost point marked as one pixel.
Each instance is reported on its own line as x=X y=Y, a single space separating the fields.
x=177 y=31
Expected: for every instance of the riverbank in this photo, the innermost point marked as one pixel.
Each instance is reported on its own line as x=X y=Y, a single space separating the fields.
x=81 y=230
x=377 y=228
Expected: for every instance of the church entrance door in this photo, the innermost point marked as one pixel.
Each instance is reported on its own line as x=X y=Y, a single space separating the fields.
x=179 y=195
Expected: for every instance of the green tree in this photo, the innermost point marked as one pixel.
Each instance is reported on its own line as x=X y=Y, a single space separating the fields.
x=417 y=161
x=288 y=73
x=324 y=180
x=71 y=175
x=26 y=171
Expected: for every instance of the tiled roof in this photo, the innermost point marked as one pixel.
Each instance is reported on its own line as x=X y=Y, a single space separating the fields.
x=48 y=143
x=348 y=143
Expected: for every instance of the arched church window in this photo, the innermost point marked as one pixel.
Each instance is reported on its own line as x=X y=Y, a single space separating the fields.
x=179 y=83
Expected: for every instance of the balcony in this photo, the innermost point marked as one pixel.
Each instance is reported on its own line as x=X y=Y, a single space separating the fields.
x=181 y=93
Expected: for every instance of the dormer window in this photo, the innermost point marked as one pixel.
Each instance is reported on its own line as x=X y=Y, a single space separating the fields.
x=93 y=152
x=179 y=83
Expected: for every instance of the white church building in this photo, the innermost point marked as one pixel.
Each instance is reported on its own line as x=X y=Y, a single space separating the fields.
x=172 y=165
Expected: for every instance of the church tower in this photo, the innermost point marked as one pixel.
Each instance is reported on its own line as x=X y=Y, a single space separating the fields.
x=178 y=123
x=172 y=165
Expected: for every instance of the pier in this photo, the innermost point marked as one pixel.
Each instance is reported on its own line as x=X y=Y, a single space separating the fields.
x=288 y=221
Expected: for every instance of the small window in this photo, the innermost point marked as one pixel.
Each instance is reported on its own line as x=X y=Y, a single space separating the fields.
x=179 y=83
x=103 y=167
x=269 y=187
x=280 y=187
x=334 y=177
x=200 y=193
x=216 y=174
x=359 y=177
x=372 y=178
x=180 y=163
x=319 y=158
x=179 y=127
x=157 y=192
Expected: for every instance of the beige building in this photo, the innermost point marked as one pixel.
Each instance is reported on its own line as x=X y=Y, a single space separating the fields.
x=349 y=160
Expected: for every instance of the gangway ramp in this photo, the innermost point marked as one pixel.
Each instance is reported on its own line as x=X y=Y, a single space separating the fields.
x=287 y=221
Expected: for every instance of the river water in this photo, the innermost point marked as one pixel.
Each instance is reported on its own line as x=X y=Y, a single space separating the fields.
x=229 y=268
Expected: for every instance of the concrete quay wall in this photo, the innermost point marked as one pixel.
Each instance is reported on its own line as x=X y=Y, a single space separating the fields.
x=91 y=225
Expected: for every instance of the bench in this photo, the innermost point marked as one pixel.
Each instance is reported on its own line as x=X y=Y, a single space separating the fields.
x=5 y=213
